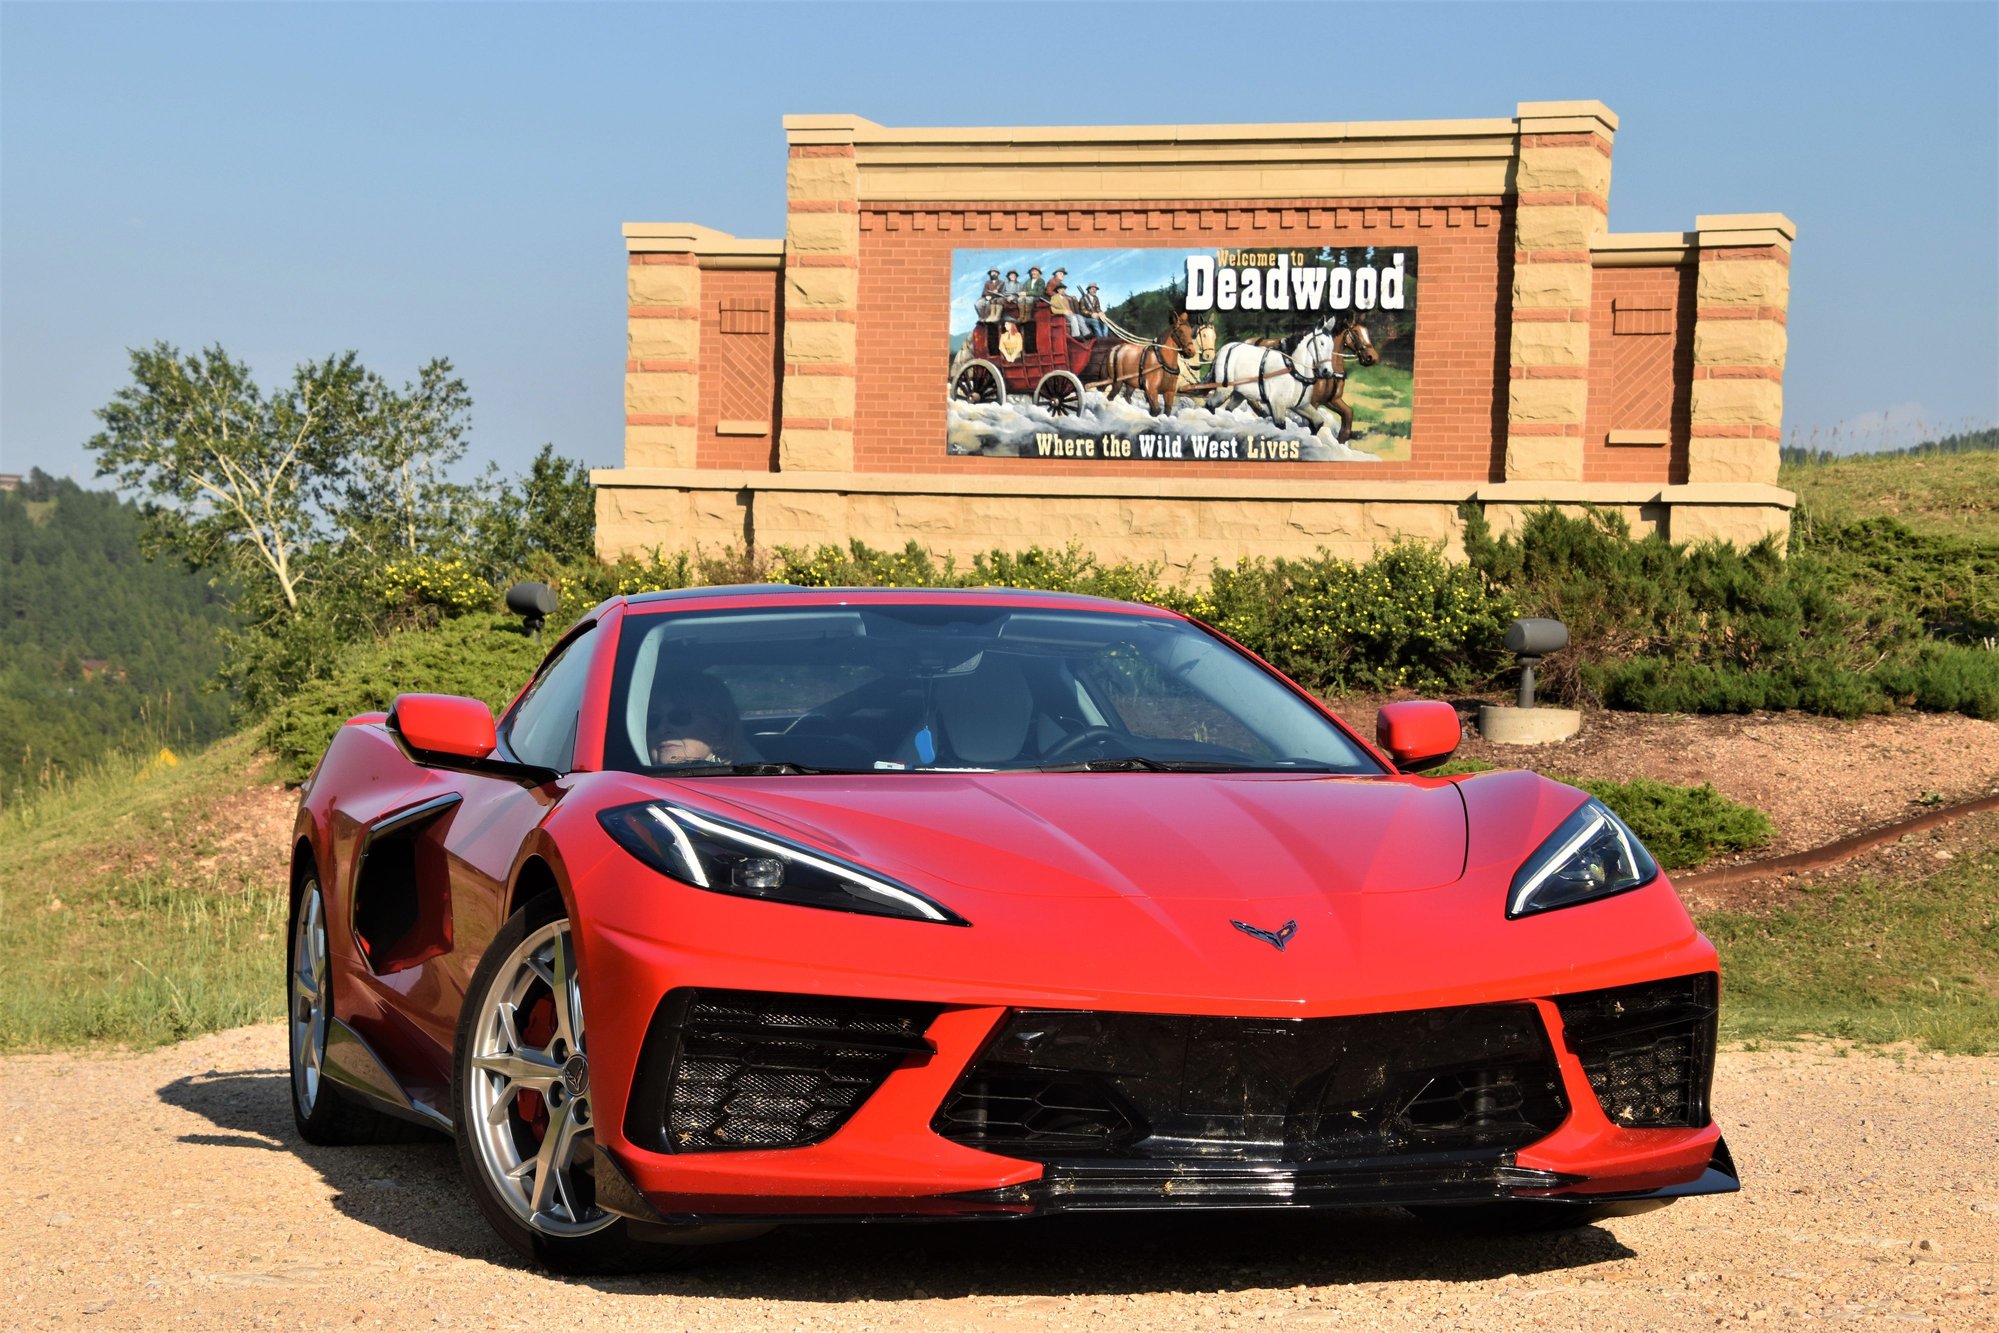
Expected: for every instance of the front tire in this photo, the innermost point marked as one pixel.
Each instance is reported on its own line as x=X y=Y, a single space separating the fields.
x=521 y=1100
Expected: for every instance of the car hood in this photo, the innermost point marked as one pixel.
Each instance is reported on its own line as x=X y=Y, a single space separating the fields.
x=1163 y=836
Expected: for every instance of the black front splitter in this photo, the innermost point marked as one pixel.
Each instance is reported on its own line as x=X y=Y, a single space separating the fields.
x=1187 y=1185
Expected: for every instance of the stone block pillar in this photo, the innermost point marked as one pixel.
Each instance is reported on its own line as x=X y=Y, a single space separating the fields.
x=1742 y=292
x=1562 y=202
x=822 y=257
x=662 y=346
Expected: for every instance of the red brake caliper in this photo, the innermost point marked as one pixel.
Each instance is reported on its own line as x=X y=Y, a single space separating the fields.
x=536 y=1025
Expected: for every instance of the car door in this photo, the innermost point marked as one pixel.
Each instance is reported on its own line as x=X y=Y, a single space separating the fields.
x=468 y=852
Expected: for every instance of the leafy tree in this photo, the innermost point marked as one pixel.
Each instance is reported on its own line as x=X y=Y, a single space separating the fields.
x=229 y=473
x=551 y=514
x=394 y=495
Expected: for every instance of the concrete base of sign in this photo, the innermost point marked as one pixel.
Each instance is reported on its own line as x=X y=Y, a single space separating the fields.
x=1527 y=726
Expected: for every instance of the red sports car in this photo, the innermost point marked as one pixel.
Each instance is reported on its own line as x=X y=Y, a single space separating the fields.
x=766 y=904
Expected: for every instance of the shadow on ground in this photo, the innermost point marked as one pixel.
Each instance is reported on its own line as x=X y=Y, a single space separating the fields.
x=414 y=1191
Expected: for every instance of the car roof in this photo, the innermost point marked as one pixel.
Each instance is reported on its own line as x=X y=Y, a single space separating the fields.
x=755 y=594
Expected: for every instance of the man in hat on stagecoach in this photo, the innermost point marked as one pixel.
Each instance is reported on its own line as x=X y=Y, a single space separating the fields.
x=1060 y=303
x=1090 y=310
x=988 y=308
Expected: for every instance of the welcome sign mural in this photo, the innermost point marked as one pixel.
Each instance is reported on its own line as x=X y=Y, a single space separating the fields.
x=1253 y=355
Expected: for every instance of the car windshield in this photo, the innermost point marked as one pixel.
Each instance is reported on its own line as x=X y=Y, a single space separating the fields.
x=951 y=687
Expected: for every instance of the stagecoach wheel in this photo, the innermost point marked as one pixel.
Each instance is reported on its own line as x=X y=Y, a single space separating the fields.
x=979 y=382
x=1060 y=393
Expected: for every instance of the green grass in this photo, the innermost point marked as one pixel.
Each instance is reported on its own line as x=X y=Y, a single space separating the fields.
x=1943 y=495
x=1872 y=960
x=113 y=929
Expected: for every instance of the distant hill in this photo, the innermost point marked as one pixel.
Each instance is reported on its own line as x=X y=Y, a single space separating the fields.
x=100 y=648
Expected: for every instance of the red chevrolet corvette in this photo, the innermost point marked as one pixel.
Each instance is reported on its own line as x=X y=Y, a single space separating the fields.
x=766 y=904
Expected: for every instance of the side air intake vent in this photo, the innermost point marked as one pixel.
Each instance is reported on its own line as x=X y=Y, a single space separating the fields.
x=1648 y=1050
x=732 y=1070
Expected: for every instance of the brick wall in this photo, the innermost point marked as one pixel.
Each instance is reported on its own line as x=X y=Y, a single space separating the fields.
x=1641 y=358
x=740 y=319
x=1464 y=246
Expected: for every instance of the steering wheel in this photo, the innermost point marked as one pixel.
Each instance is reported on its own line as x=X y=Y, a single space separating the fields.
x=1080 y=740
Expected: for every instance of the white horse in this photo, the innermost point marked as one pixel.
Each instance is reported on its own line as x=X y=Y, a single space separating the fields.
x=1276 y=383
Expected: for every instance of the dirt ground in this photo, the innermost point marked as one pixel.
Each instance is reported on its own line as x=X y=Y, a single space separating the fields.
x=1817 y=778
x=168 y=1190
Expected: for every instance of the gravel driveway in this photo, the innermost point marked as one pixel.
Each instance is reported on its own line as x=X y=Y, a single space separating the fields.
x=167 y=1189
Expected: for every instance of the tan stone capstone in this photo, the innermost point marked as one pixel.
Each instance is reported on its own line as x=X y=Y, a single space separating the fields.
x=663 y=284
x=1738 y=402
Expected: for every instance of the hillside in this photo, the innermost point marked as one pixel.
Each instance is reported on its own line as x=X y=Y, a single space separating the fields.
x=1945 y=495
x=101 y=649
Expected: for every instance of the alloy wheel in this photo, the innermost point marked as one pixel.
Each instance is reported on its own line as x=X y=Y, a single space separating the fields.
x=529 y=1096
x=308 y=1000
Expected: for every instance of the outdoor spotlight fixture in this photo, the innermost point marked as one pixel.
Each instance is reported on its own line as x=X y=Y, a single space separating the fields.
x=536 y=602
x=1530 y=640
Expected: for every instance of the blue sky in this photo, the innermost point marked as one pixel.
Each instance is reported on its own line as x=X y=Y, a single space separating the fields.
x=421 y=180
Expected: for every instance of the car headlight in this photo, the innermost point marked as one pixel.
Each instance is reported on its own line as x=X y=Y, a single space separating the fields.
x=725 y=857
x=1590 y=855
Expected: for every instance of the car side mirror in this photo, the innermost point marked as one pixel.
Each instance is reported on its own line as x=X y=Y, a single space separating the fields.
x=444 y=726
x=1418 y=733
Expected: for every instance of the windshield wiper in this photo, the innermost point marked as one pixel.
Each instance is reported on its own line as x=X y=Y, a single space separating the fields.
x=1138 y=763
x=759 y=770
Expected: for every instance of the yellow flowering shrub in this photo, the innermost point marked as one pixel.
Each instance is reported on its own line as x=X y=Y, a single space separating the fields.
x=448 y=585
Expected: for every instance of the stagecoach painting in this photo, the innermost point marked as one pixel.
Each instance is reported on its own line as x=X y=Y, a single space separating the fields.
x=1278 y=359
x=1045 y=363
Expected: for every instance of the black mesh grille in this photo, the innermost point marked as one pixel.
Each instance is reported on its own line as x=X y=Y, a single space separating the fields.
x=1056 y=1084
x=1648 y=1050
x=730 y=1070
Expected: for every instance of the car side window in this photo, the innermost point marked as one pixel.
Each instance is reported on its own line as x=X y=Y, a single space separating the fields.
x=542 y=730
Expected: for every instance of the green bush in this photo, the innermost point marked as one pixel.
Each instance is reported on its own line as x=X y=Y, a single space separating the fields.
x=1682 y=826
x=1947 y=678
x=1407 y=619
x=484 y=656
x=1861 y=617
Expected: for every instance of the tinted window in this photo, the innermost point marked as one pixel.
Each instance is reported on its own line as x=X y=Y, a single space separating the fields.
x=542 y=730
x=935 y=687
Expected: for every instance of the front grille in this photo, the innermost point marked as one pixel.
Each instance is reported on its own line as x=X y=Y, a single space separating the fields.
x=1648 y=1050
x=1058 y=1084
x=731 y=1070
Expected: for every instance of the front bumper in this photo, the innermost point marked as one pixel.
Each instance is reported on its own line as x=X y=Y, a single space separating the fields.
x=1208 y=1113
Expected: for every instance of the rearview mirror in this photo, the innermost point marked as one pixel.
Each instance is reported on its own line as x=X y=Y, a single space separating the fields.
x=1417 y=733
x=444 y=725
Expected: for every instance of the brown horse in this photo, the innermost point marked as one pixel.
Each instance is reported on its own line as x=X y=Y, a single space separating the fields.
x=1331 y=391
x=1153 y=368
